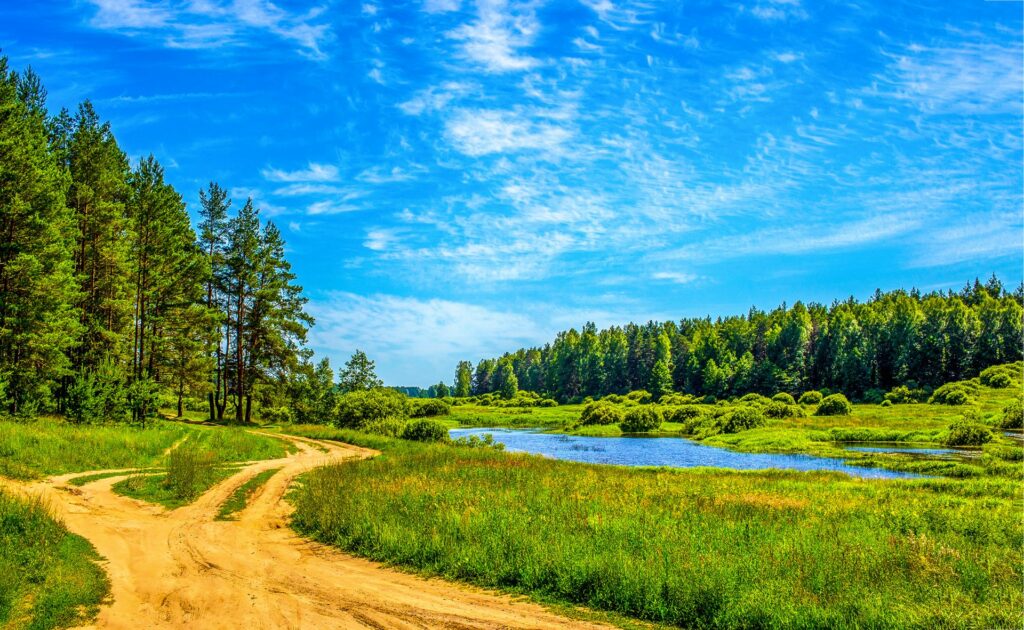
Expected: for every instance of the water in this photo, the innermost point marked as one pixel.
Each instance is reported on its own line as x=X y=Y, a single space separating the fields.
x=903 y=448
x=663 y=451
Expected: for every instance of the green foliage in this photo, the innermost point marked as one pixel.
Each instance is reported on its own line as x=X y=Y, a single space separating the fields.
x=682 y=413
x=956 y=393
x=743 y=418
x=641 y=419
x=886 y=403
x=474 y=441
x=359 y=374
x=834 y=405
x=1000 y=376
x=661 y=380
x=428 y=408
x=49 y=578
x=779 y=409
x=1013 y=416
x=358 y=408
x=239 y=499
x=784 y=398
x=425 y=430
x=966 y=433
x=600 y=413
x=190 y=470
x=640 y=396
x=811 y=397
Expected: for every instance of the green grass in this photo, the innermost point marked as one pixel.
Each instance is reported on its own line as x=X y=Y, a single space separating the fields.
x=48 y=577
x=698 y=547
x=240 y=497
x=348 y=436
x=84 y=479
x=51 y=446
x=155 y=488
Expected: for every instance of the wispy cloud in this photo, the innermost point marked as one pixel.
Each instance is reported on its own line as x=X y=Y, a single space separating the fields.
x=495 y=39
x=481 y=132
x=212 y=23
x=313 y=173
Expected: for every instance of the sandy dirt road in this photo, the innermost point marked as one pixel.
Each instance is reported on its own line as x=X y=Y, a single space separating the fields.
x=181 y=568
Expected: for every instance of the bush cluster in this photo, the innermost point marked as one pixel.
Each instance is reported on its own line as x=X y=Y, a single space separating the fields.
x=600 y=413
x=641 y=419
x=1013 y=416
x=640 y=396
x=779 y=409
x=811 y=397
x=834 y=405
x=956 y=393
x=356 y=409
x=742 y=419
x=429 y=408
x=388 y=427
x=785 y=398
x=425 y=430
x=906 y=394
x=522 y=398
x=963 y=432
x=682 y=414
x=1002 y=376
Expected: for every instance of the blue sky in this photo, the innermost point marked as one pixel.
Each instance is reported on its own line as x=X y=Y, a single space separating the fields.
x=458 y=179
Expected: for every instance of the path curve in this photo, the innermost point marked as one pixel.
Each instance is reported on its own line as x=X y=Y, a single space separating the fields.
x=182 y=568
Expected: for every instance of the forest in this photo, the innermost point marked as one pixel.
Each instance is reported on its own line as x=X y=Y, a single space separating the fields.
x=111 y=305
x=897 y=338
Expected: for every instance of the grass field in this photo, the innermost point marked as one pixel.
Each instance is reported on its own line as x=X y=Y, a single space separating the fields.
x=48 y=577
x=697 y=548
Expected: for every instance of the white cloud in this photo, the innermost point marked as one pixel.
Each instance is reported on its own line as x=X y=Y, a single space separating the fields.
x=413 y=340
x=441 y=6
x=675 y=277
x=478 y=132
x=328 y=207
x=212 y=23
x=495 y=38
x=313 y=173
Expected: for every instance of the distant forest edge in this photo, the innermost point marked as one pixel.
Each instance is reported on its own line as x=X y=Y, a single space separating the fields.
x=899 y=338
x=110 y=304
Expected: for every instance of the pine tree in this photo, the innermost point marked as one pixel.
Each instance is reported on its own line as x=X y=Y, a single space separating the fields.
x=38 y=291
x=213 y=239
x=359 y=374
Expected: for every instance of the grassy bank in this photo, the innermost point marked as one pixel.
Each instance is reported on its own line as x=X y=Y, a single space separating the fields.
x=696 y=548
x=48 y=576
x=239 y=499
x=51 y=446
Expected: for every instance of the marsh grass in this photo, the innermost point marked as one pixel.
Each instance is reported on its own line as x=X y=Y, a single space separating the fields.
x=48 y=577
x=696 y=548
x=239 y=499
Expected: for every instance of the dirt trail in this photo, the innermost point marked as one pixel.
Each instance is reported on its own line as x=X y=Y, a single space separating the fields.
x=182 y=568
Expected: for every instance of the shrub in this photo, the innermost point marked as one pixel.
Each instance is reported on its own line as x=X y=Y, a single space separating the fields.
x=1000 y=381
x=474 y=441
x=641 y=420
x=810 y=398
x=548 y=402
x=957 y=393
x=834 y=405
x=1013 y=416
x=779 y=409
x=389 y=427
x=756 y=399
x=682 y=414
x=429 y=408
x=276 y=415
x=785 y=398
x=425 y=430
x=966 y=433
x=710 y=399
x=641 y=396
x=601 y=413
x=743 y=418
x=886 y=403
x=356 y=409
x=614 y=398
x=679 y=399
x=904 y=394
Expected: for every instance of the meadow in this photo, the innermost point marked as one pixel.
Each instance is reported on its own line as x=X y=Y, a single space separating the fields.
x=697 y=547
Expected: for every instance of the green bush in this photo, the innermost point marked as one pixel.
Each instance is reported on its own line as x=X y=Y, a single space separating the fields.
x=873 y=396
x=425 y=430
x=276 y=415
x=473 y=441
x=356 y=409
x=1000 y=376
x=779 y=409
x=388 y=427
x=682 y=414
x=834 y=405
x=1000 y=381
x=783 y=397
x=189 y=470
x=886 y=403
x=755 y=399
x=614 y=398
x=641 y=396
x=641 y=420
x=810 y=398
x=906 y=394
x=743 y=418
x=966 y=433
x=1013 y=416
x=429 y=408
x=957 y=393
x=601 y=413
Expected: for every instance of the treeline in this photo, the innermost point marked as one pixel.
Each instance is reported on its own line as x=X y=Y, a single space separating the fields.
x=110 y=303
x=895 y=338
